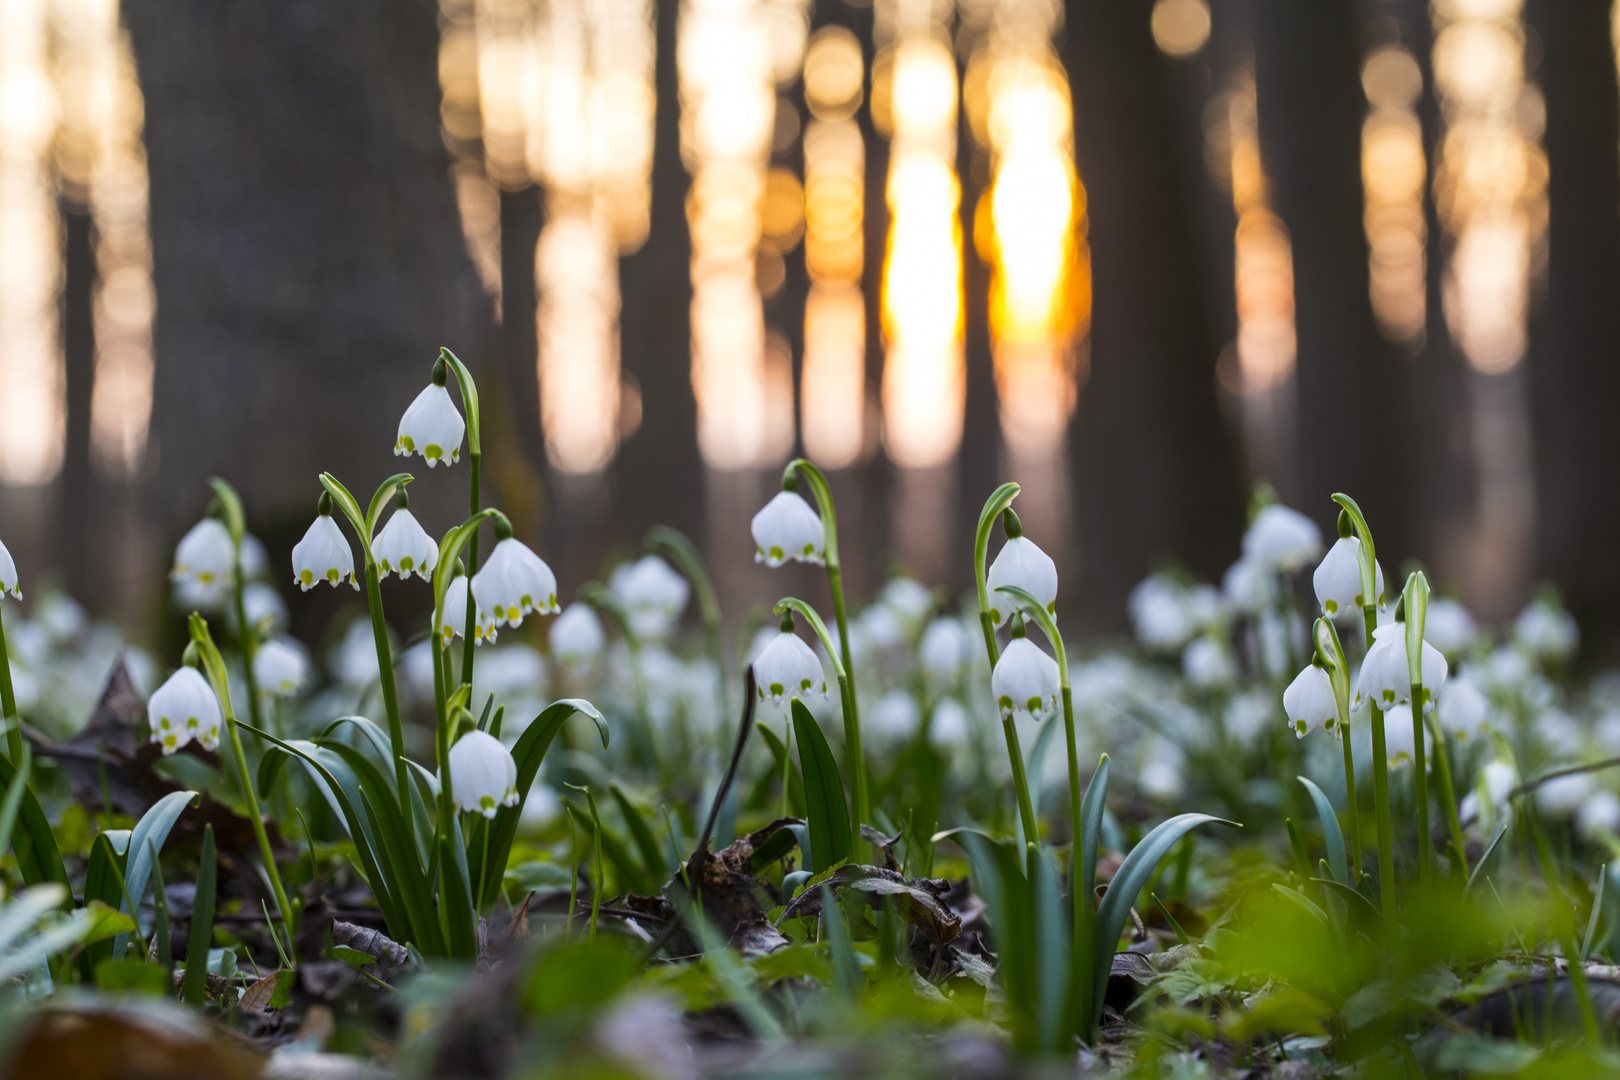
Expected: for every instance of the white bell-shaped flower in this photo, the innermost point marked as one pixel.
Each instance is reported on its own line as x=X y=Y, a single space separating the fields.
x=653 y=595
x=403 y=547
x=263 y=606
x=1385 y=679
x=1448 y=626
x=8 y=574
x=280 y=669
x=1464 y=710
x=788 y=668
x=431 y=426
x=324 y=553
x=1249 y=585
x=255 y=559
x=205 y=555
x=1309 y=703
x=1547 y=630
x=576 y=636
x=908 y=598
x=1398 y=744
x=513 y=582
x=483 y=776
x=786 y=528
x=182 y=709
x=1020 y=562
x=944 y=649
x=1599 y=816
x=1338 y=578
x=1207 y=663
x=455 y=615
x=1025 y=679
x=1283 y=538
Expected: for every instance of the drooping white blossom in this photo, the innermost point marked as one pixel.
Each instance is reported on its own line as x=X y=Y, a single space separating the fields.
x=1546 y=630
x=431 y=426
x=205 y=555
x=455 y=615
x=403 y=547
x=787 y=668
x=280 y=669
x=1282 y=538
x=1309 y=702
x=513 y=582
x=323 y=555
x=182 y=709
x=1338 y=578
x=944 y=649
x=1207 y=663
x=1025 y=679
x=1448 y=626
x=576 y=636
x=1021 y=562
x=653 y=595
x=483 y=776
x=1385 y=678
x=786 y=528
x=8 y=574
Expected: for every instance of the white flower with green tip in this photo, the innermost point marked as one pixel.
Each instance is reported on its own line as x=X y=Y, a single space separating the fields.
x=324 y=553
x=788 y=528
x=1025 y=679
x=1309 y=702
x=431 y=426
x=1385 y=679
x=280 y=669
x=403 y=547
x=576 y=636
x=483 y=776
x=455 y=615
x=1338 y=578
x=787 y=668
x=1283 y=538
x=512 y=582
x=205 y=555
x=8 y=574
x=182 y=709
x=1021 y=562
x=653 y=595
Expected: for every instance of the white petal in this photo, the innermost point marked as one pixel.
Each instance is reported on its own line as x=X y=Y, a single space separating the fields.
x=182 y=709
x=483 y=775
x=787 y=668
x=576 y=635
x=323 y=555
x=1025 y=679
x=1309 y=702
x=1020 y=562
x=1283 y=538
x=8 y=574
x=788 y=528
x=1338 y=578
x=205 y=554
x=513 y=582
x=403 y=547
x=431 y=427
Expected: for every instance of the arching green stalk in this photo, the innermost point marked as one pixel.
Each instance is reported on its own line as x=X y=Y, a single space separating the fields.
x=230 y=504
x=1415 y=601
x=835 y=581
x=449 y=551
x=846 y=696
x=475 y=457
x=1338 y=669
x=8 y=700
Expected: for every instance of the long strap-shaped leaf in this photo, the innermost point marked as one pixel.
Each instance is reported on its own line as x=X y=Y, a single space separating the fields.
x=529 y=752
x=147 y=839
x=32 y=841
x=1132 y=876
x=826 y=813
x=998 y=873
x=1331 y=832
x=200 y=932
x=1093 y=810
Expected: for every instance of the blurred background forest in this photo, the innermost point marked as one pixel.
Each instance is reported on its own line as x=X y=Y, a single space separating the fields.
x=1136 y=255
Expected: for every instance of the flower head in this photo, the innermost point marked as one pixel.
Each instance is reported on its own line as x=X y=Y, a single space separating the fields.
x=1547 y=630
x=323 y=554
x=1020 y=562
x=787 y=528
x=182 y=709
x=8 y=574
x=205 y=555
x=431 y=426
x=653 y=595
x=944 y=648
x=263 y=606
x=1025 y=679
x=1448 y=626
x=403 y=547
x=280 y=669
x=576 y=636
x=1309 y=702
x=483 y=776
x=1207 y=663
x=1282 y=538
x=513 y=582
x=1465 y=710
x=1385 y=678
x=455 y=615
x=787 y=668
x=1338 y=578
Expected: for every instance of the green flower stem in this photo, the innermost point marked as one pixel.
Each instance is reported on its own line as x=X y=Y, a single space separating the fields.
x=1448 y=796
x=215 y=666
x=441 y=737
x=475 y=454
x=846 y=697
x=1350 y=799
x=444 y=568
x=835 y=580
x=999 y=500
x=8 y=700
x=385 y=670
x=1420 y=783
x=1386 y=851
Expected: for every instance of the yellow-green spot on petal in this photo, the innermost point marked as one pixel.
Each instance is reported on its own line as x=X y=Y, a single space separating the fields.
x=1299 y=726
x=164 y=723
x=809 y=549
x=168 y=742
x=333 y=576
x=407 y=563
x=305 y=577
x=1005 y=702
x=1033 y=705
x=1330 y=606
x=408 y=443
x=432 y=452
x=486 y=803
x=191 y=723
x=776 y=552
x=777 y=689
x=526 y=600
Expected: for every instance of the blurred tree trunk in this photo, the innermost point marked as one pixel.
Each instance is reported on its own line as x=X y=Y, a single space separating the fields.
x=308 y=253
x=1311 y=106
x=1155 y=471
x=1574 y=381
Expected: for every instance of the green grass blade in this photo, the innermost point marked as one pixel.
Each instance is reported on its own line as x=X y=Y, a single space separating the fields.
x=31 y=839
x=1490 y=849
x=655 y=861
x=1051 y=953
x=779 y=752
x=826 y=812
x=1332 y=834
x=144 y=844
x=200 y=932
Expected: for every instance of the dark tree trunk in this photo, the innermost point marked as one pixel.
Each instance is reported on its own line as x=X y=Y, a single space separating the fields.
x=78 y=491
x=308 y=254
x=1311 y=106
x=1155 y=471
x=1573 y=378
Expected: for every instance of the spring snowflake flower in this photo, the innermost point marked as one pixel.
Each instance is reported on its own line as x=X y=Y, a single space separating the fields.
x=787 y=668
x=1547 y=630
x=788 y=528
x=1562 y=796
x=1249 y=585
x=909 y=599
x=1465 y=710
x=1599 y=816
x=1164 y=613
x=280 y=669
x=263 y=606
x=1398 y=745
x=1020 y=562
x=483 y=776
x=205 y=555
x=950 y=727
x=513 y=582
x=653 y=595
x=431 y=426
x=944 y=649
x=182 y=709
x=455 y=615
x=1448 y=626
x=1206 y=663
x=1385 y=678
x=576 y=636
x=323 y=554
x=403 y=547
x=1282 y=538
x=1309 y=702
x=1338 y=578
x=1025 y=679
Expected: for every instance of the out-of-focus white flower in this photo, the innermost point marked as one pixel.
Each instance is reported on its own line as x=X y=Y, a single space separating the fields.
x=541 y=808
x=353 y=660
x=280 y=669
x=1598 y=816
x=205 y=555
x=1506 y=670
x=1108 y=681
x=415 y=666
x=1385 y=678
x=455 y=615
x=1607 y=731
x=1248 y=714
x=511 y=671
x=513 y=582
x=1309 y=701
x=1283 y=538
x=1547 y=630
x=62 y=617
x=1020 y=562
x=576 y=636
x=1271 y=638
x=1464 y=710
x=182 y=709
x=944 y=649
x=1338 y=578
x=1563 y=795
x=1398 y=743
x=1025 y=679
x=323 y=554
x=1249 y=585
x=1161 y=776
x=786 y=669
x=788 y=528
x=1160 y=613
x=878 y=629
x=263 y=606
x=894 y=716
x=1560 y=732
x=950 y=727
x=1496 y=779
x=24 y=689
x=907 y=598
x=255 y=559
x=653 y=595
x=8 y=574
x=192 y=595
x=403 y=547
x=431 y=426
x=483 y=776
x=1448 y=626
x=1207 y=663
